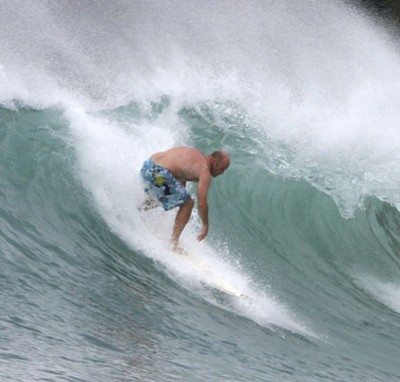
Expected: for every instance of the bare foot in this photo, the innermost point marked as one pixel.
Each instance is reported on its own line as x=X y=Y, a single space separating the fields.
x=179 y=250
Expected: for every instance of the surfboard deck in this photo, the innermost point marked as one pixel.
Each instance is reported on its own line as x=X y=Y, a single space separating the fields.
x=210 y=279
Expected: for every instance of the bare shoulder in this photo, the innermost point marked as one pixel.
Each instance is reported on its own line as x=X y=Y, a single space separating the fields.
x=191 y=151
x=178 y=153
x=192 y=155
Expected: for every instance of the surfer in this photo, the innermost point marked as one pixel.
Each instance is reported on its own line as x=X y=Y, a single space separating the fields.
x=165 y=175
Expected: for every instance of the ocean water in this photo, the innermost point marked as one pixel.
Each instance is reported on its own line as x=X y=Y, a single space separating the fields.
x=306 y=221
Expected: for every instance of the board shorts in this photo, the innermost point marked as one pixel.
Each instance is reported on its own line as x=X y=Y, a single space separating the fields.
x=161 y=183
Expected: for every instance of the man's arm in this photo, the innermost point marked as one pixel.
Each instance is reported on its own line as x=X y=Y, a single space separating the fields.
x=202 y=191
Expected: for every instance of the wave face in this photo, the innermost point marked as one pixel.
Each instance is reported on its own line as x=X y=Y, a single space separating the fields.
x=305 y=222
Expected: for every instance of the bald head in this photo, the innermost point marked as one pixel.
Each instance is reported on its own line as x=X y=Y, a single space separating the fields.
x=219 y=163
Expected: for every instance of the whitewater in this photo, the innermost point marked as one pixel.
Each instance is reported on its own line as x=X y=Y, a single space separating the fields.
x=305 y=223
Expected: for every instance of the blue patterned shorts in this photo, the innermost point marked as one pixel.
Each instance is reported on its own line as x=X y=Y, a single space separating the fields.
x=162 y=184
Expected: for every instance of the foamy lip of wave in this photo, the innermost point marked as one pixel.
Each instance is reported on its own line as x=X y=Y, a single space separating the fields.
x=108 y=157
x=388 y=293
x=207 y=267
x=256 y=303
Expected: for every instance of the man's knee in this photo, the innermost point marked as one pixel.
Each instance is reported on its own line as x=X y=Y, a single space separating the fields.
x=189 y=203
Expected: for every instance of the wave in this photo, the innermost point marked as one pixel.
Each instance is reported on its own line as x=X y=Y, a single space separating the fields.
x=305 y=221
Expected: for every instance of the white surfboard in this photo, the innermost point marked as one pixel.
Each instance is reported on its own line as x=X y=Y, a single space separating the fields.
x=212 y=280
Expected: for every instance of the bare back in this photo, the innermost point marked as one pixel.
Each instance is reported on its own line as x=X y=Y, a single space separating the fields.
x=186 y=163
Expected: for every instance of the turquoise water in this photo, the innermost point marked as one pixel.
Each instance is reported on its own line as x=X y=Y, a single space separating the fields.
x=305 y=222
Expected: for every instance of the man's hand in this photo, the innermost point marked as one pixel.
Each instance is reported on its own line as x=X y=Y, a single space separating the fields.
x=203 y=234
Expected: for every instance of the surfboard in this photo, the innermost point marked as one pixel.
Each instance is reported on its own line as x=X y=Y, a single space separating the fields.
x=211 y=280
x=225 y=287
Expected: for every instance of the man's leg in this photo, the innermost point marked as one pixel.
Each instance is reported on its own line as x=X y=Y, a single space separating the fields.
x=182 y=218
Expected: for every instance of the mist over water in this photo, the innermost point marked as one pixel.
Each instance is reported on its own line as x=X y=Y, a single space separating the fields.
x=305 y=223
x=319 y=80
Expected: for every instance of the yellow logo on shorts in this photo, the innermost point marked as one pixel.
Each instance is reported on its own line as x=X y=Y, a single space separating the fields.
x=159 y=180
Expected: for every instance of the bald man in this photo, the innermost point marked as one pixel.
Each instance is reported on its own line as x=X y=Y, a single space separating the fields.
x=165 y=175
